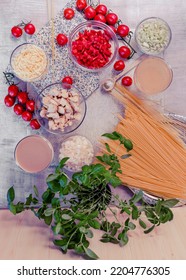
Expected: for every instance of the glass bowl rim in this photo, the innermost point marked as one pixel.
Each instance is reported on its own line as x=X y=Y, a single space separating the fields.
x=38 y=136
x=101 y=25
x=38 y=115
x=152 y=18
x=165 y=62
x=20 y=46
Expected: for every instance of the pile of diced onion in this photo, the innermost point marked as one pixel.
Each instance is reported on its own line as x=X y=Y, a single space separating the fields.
x=79 y=150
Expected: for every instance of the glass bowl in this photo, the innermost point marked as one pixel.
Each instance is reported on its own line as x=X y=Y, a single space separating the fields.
x=153 y=35
x=90 y=55
x=29 y=62
x=79 y=150
x=60 y=108
x=153 y=75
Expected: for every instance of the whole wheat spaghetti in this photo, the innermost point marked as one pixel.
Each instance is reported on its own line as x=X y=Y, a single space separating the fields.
x=158 y=161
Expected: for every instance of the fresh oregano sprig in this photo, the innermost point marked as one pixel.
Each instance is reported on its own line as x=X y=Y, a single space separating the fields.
x=73 y=207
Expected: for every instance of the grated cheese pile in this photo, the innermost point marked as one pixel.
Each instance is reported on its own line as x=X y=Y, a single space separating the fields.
x=29 y=63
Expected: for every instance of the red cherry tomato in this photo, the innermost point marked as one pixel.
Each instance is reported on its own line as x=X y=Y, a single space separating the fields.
x=126 y=81
x=123 y=30
x=62 y=39
x=30 y=105
x=124 y=51
x=29 y=28
x=22 y=97
x=9 y=101
x=81 y=4
x=26 y=116
x=18 y=109
x=16 y=31
x=67 y=80
x=90 y=12
x=69 y=13
x=34 y=124
x=111 y=18
x=119 y=65
x=100 y=17
x=101 y=9
x=13 y=90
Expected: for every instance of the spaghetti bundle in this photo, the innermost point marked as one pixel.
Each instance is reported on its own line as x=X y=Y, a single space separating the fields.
x=158 y=161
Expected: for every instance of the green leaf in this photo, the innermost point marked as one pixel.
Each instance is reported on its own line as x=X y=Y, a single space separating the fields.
x=52 y=177
x=49 y=211
x=60 y=242
x=98 y=168
x=131 y=225
x=36 y=192
x=94 y=224
x=48 y=220
x=123 y=237
x=79 y=249
x=142 y=224
x=90 y=253
x=137 y=197
x=62 y=162
x=11 y=194
x=115 y=181
x=105 y=240
x=111 y=136
x=170 y=203
x=57 y=228
x=128 y=144
x=63 y=181
x=66 y=217
x=47 y=196
x=126 y=156
x=83 y=230
x=54 y=185
x=12 y=208
x=89 y=233
x=108 y=147
x=28 y=200
x=94 y=214
x=149 y=229
x=158 y=207
x=55 y=202
x=135 y=212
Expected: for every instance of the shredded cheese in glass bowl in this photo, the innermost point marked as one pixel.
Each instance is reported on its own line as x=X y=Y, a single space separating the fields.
x=153 y=35
x=79 y=150
x=29 y=62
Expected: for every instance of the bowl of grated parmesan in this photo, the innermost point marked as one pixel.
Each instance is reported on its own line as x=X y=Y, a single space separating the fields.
x=29 y=62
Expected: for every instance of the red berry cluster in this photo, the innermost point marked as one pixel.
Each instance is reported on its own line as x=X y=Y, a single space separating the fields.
x=23 y=106
x=17 y=30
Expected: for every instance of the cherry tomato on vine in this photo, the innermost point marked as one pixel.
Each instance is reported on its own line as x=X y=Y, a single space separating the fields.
x=16 y=31
x=34 y=124
x=61 y=39
x=126 y=81
x=123 y=30
x=13 y=90
x=119 y=65
x=22 y=97
x=81 y=4
x=100 y=17
x=26 y=116
x=18 y=109
x=101 y=9
x=69 y=13
x=29 y=28
x=9 y=101
x=67 y=80
x=30 y=105
x=90 y=12
x=124 y=51
x=111 y=18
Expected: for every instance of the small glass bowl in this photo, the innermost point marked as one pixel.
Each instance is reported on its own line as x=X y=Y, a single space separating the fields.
x=29 y=62
x=96 y=26
x=33 y=153
x=153 y=35
x=67 y=112
x=79 y=150
x=153 y=75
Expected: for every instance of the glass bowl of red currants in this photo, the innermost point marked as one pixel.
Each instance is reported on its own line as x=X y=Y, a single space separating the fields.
x=60 y=108
x=92 y=45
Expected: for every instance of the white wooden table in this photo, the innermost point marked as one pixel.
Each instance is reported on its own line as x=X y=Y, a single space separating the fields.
x=23 y=236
